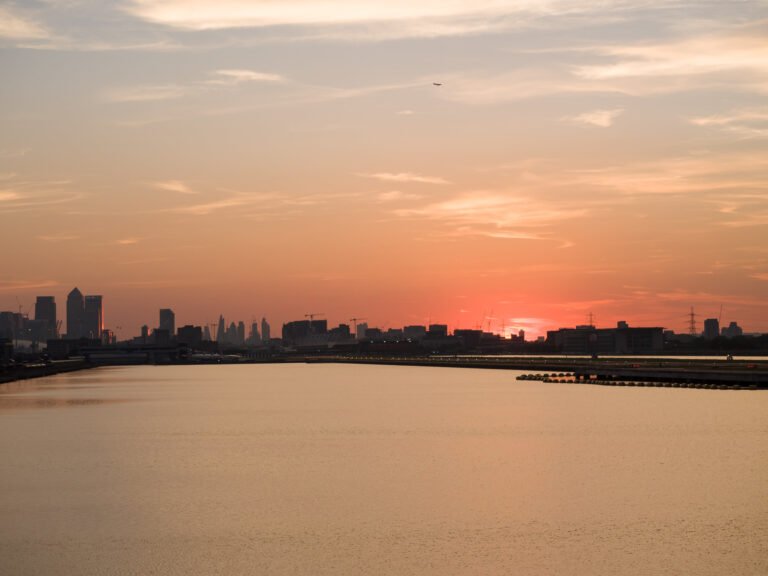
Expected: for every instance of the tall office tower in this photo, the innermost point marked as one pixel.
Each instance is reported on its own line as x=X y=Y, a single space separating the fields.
x=168 y=321
x=75 y=314
x=231 y=337
x=93 y=317
x=45 y=311
x=206 y=333
x=362 y=328
x=255 y=337
x=241 y=333
x=221 y=331
x=265 y=333
x=711 y=328
x=145 y=333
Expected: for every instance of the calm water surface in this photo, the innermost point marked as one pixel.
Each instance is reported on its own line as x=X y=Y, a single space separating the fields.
x=343 y=469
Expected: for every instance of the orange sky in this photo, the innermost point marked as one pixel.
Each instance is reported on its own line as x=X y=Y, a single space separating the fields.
x=279 y=159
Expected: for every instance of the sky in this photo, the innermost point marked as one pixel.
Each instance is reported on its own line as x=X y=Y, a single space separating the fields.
x=285 y=157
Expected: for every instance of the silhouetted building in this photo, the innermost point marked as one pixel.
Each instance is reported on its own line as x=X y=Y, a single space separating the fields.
x=414 y=332
x=394 y=335
x=374 y=334
x=45 y=311
x=437 y=330
x=241 y=333
x=93 y=318
x=339 y=334
x=470 y=339
x=255 y=338
x=75 y=314
x=266 y=334
x=6 y=350
x=206 y=333
x=161 y=337
x=362 y=328
x=8 y=325
x=168 y=321
x=296 y=331
x=231 y=335
x=145 y=333
x=733 y=330
x=190 y=335
x=221 y=331
x=711 y=328
x=620 y=340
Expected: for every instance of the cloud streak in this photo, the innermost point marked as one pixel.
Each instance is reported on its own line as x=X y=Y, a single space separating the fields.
x=239 y=76
x=174 y=186
x=18 y=27
x=599 y=118
x=496 y=214
x=405 y=177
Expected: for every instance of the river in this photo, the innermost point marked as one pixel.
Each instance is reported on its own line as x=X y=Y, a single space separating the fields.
x=354 y=469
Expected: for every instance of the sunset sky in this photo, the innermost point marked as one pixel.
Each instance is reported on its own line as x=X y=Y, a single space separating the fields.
x=283 y=157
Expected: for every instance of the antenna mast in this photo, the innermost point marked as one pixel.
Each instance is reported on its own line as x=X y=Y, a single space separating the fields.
x=692 y=323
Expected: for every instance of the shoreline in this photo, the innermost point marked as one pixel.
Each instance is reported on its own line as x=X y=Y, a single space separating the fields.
x=657 y=369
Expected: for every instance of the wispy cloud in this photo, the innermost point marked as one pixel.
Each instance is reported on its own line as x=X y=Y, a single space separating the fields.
x=700 y=174
x=746 y=123
x=146 y=93
x=58 y=237
x=600 y=118
x=688 y=57
x=405 y=177
x=496 y=215
x=371 y=20
x=393 y=195
x=174 y=186
x=200 y=15
x=18 y=195
x=11 y=285
x=238 y=76
x=236 y=200
x=19 y=27
x=128 y=241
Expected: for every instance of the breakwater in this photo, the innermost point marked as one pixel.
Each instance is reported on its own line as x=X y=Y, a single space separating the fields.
x=651 y=370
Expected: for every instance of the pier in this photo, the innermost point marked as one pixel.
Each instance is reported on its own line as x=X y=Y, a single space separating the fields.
x=729 y=373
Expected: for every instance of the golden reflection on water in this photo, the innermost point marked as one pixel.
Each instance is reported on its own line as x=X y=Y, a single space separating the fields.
x=347 y=470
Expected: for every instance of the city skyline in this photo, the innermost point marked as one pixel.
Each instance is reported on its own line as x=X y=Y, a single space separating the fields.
x=84 y=318
x=399 y=162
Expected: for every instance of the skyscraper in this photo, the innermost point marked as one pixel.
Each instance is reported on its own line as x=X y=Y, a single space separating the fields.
x=255 y=338
x=93 y=317
x=265 y=333
x=221 y=332
x=75 y=314
x=168 y=321
x=711 y=328
x=45 y=311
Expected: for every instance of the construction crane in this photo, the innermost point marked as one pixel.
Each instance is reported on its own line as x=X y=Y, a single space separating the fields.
x=312 y=316
x=20 y=306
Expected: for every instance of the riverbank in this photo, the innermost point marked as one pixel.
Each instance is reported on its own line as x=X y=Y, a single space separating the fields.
x=27 y=370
